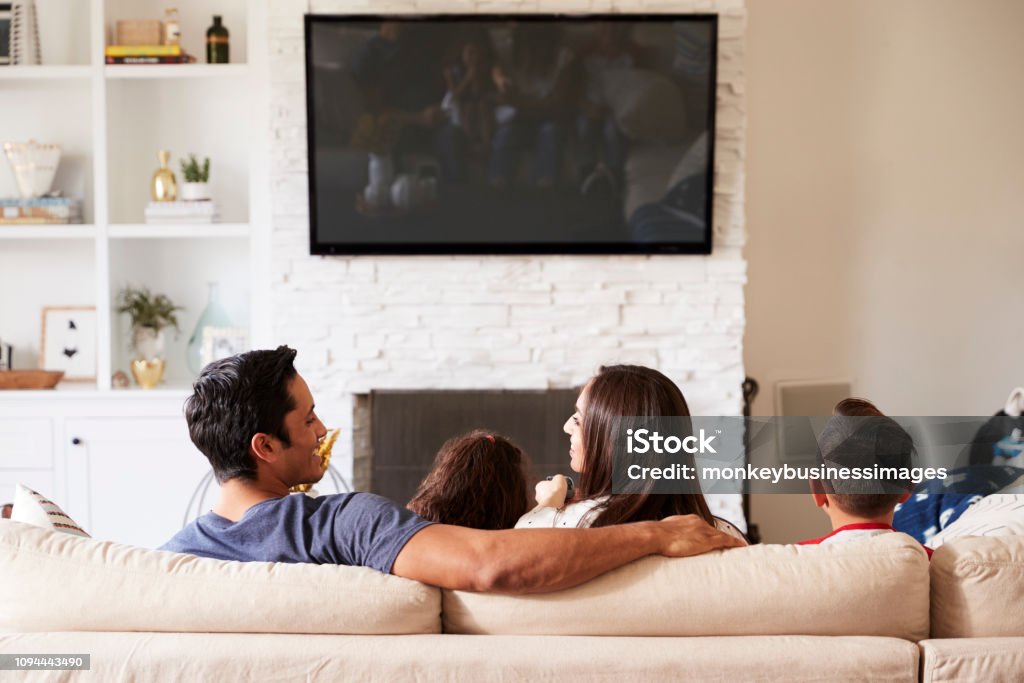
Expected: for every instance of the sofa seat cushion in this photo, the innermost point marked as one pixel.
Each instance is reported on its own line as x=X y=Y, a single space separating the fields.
x=877 y=587
x=972 y=659
x=51 y=581
x=978 y=587
x=234 y=657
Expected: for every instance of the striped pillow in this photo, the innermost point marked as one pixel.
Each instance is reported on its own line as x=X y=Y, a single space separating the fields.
x=34 y=508
x=998 y=514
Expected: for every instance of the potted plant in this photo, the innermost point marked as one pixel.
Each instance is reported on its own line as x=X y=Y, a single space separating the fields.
x=197 y=179
x=150 y=315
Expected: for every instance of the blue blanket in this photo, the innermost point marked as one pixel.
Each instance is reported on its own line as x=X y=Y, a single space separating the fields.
x=936 y=504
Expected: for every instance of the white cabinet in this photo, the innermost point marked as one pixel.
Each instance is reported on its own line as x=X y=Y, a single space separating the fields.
x=130 y=480
x=26 y=455
x=124 y=469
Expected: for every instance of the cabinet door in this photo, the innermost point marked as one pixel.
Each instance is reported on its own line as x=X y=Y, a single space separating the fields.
x=131 y=479
x=26 y=456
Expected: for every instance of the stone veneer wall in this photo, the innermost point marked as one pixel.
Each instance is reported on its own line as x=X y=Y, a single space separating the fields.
x=503 y=322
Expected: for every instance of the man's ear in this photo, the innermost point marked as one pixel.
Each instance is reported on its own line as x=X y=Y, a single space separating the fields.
x=263 y=447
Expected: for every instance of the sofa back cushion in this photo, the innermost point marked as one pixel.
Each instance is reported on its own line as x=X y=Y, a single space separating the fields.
x=874 y=587
x=51 y=581
x=978 y=588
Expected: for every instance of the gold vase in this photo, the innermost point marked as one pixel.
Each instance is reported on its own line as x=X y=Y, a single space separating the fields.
x=148 y=373
x=164 y=187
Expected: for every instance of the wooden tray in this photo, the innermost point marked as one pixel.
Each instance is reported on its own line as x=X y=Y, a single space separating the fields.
x=30 y=379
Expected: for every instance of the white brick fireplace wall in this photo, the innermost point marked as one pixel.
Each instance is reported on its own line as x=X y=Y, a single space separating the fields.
x=503 y=322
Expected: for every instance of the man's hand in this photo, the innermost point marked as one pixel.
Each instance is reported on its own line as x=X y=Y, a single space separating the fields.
x=551 y=493
x=685 y=535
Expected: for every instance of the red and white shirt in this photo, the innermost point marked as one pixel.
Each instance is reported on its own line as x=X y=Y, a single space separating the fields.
x=855 y=532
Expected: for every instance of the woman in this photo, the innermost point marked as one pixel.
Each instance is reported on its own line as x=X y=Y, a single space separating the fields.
x=615 y=392
x=477 y=481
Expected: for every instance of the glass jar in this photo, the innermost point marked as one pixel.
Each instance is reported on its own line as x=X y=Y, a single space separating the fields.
x=213 y=315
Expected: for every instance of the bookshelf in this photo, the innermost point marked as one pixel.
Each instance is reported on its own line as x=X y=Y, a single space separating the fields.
x=111 y=120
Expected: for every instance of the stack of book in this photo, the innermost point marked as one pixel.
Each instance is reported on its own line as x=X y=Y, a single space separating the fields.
x=182 y=212
x=145 y=54
x=40 y=210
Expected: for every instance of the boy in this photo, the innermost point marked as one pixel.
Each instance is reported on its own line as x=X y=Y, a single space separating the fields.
x=860 y=435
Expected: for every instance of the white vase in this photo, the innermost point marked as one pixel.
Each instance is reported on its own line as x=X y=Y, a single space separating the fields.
x=148 y=343
x=381 y=173
x=195 y=192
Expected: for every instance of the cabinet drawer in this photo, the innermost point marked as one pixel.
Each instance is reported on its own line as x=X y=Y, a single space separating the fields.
x=37 y=480
x=26 y=443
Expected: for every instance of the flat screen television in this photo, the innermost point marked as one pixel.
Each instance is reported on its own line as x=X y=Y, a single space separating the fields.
x=480 y=134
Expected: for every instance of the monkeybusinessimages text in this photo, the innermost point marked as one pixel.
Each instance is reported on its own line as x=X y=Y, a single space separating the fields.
x=644 y=441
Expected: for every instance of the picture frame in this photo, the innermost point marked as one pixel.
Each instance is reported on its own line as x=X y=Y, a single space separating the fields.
x=221 y=342
x=68 y=342
x=6 y=356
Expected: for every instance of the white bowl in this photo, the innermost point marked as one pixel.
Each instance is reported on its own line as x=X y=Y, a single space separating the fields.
x=34 y=166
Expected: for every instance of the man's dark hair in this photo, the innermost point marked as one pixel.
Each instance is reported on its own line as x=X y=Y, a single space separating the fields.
x=235 y=398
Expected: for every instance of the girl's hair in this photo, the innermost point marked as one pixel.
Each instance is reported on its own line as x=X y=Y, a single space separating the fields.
x=631 y=390
x=477 y=481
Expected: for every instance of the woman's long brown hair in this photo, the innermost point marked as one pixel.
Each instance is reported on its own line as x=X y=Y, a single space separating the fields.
x=621 y=391
x=477 y=480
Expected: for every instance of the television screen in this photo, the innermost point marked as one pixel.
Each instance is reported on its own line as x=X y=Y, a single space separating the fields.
x=510 y=134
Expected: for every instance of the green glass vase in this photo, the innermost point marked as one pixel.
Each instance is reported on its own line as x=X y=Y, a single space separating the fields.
x=213 y=315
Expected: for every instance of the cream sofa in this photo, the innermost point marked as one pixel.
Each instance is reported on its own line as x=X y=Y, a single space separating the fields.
x=859 y=611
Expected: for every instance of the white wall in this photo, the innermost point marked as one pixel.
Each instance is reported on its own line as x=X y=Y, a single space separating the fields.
x=503 y=322
x=884 y=199
x=884 y=187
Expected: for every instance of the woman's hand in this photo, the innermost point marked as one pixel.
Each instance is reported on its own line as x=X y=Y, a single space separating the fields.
x=551 y=492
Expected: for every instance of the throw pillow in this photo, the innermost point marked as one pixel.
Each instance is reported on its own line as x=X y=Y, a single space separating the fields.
x=647 y=106
x=34 y=508
x=999 y=514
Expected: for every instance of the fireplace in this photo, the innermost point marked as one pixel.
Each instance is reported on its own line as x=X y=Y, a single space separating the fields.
x=397 y=433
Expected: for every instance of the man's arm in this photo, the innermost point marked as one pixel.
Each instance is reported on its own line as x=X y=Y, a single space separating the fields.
x=541 y=560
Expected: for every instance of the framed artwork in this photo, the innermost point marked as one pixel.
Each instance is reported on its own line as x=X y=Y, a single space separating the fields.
x=221 y=342
x=69 y=341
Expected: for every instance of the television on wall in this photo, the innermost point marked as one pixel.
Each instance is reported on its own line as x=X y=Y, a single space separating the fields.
x=483 y=134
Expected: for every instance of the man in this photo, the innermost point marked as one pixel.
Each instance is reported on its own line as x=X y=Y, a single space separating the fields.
x=253 y=417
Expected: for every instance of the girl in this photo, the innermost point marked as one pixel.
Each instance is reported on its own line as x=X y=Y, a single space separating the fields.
x=477 y=481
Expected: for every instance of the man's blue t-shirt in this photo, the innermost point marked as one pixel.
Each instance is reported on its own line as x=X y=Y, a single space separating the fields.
x=356 y=529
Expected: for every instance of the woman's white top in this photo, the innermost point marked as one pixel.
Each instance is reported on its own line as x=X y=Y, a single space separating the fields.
x=583 y=513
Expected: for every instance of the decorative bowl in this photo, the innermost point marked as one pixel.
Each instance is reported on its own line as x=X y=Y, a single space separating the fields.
x=30 y=379
x=34 y=166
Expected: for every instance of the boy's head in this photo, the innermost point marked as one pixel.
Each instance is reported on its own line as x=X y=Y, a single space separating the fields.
x=859 y=435
x=477 y=481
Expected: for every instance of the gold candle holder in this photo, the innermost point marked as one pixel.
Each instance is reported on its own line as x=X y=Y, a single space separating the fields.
x=148 y=373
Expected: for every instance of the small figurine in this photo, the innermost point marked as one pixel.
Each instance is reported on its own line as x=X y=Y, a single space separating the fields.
x=119 y=380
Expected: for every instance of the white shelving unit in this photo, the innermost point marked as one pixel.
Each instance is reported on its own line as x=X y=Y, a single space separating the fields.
x=111 y=120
